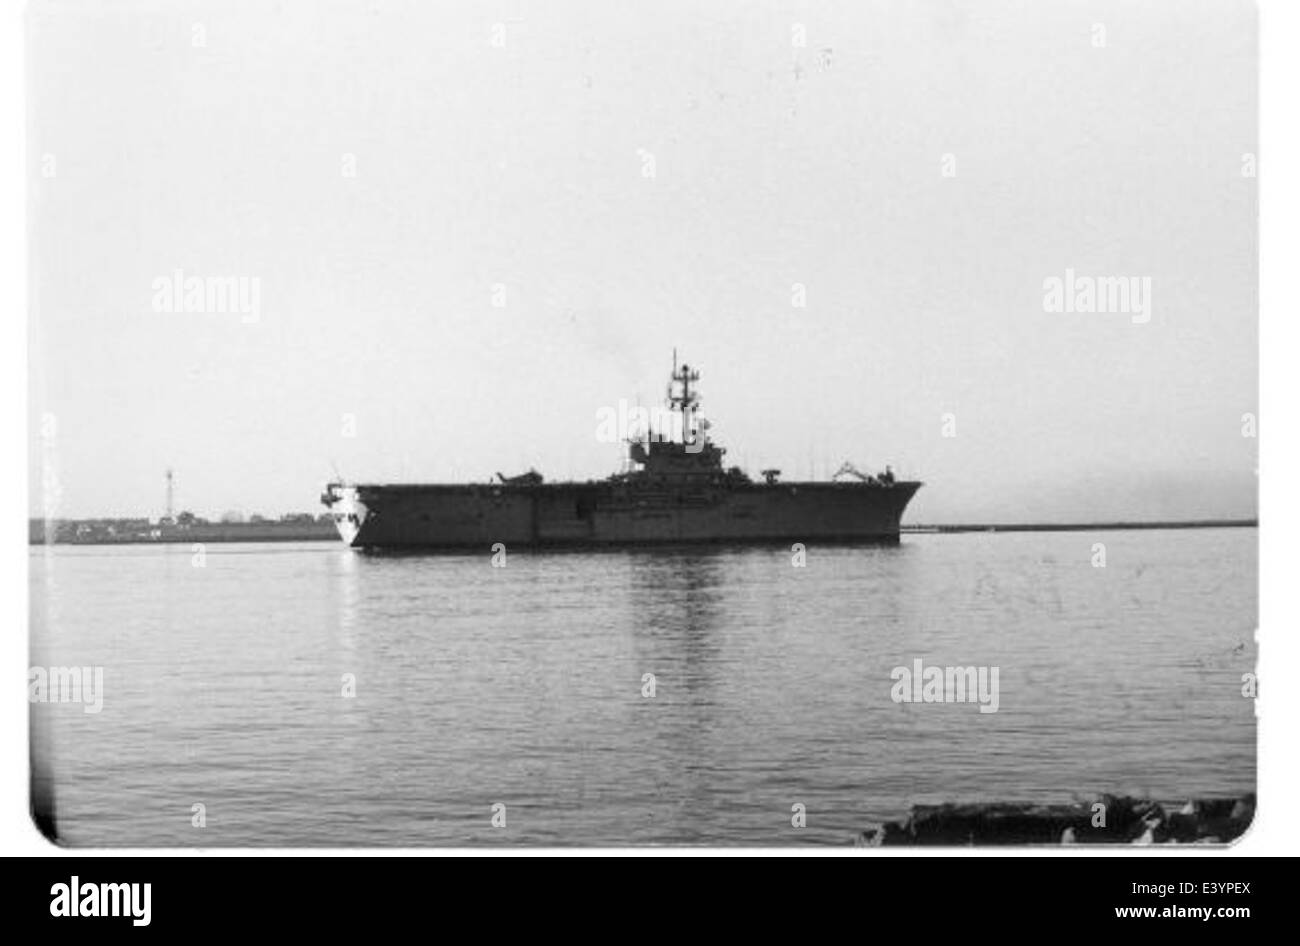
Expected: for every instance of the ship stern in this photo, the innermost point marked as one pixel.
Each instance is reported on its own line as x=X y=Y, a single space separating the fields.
x=346 y=509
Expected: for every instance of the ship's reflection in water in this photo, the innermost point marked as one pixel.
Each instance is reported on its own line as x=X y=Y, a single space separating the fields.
x=677 y=600
x=677 y=595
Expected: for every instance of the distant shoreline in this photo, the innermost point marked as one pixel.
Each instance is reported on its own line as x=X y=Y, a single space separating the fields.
x=109 y=532
x=920 y=529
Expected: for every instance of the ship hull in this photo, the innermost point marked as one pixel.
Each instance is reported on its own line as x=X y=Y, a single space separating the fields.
x=601 y=514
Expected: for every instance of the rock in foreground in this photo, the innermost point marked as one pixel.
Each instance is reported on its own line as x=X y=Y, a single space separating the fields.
x=1109 y=820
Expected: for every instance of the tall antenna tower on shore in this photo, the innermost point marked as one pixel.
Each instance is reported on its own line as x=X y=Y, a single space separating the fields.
x=171 y=496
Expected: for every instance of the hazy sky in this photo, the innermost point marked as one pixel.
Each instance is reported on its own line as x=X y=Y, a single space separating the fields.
x=388 y=171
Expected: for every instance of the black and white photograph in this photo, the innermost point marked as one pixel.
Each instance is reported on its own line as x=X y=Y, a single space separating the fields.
x=599 y=425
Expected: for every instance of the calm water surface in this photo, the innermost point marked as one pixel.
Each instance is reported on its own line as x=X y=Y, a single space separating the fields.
x=523 y=686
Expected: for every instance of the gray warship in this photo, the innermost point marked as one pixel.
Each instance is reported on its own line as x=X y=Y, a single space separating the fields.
x=675 y=490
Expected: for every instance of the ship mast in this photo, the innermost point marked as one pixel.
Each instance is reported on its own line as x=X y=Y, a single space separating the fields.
x=685 y=401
